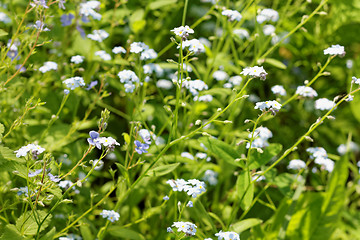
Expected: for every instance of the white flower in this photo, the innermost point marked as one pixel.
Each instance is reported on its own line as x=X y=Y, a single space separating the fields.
x=268 y=29
x=153 y=67
x=103 y=55
x=255 y=71
x=77 y=59
x=182 y=31
x=129 y=87
x=325 y=163
x=232 y=15
x=296 y=164
x=165 y=84
x=4 y=18
x=192 y=187
x=203 y=98
x=65 y=184
x=258 y=178
x=177 y=185
x=324 y=104
x=98 y=35
x=235 y=80
x=194 y=46
x=278 y=89
x=227 y=85
x=32 y=148
x=118 y=50
x=87 y=9
x=273 y=106
x=108 y=142
x=356 y=80
x=187 y=155
x=211 y=177
x=127 y=76
x=335 y=50
x=220 y=75
x=349 y=63
x=205 y=42
x=137 y=47
x=98 y=163
x=306 y=91
x=74 y=82
x=241 y=33
x=267 y=14
x=261 y=135
x=227 y=235
x=110 y=215
x=316 y=152
x=343 y=148
x=48 y=66
x=195 y=85
x=148 y=54
x=145 y=135
x=187 y=227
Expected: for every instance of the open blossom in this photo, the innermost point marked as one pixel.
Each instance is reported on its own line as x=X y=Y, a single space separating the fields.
x=141 y=147
x=227 y=235
x=74 y=82
x=187 y=227
x=108 y=142
x=137 y=47
x=127 y=76
x=203 y=98
x=48 y=66
x=195 y=86
x=194 y=46
x=232 y=15
x=183 y=32
x=94 y=139
x=278 y=89
x=77 y=59
x=316 y=152
x=220 y=75
x=211 y=177
x=110 y=215
x=118 y=50
x=273 y=106
x=153 y=68
x=192 y=187
x=103 y=55
x=32 y=148
x=356 y=80
x=88 y=9
x=267 y=14
x=335 y=50
x=241 y=33
x=268 y=29
x=344 y=148
x=255 y=71
x=98 y=35
x=148 y=54
x=296 y=164
x=324 y=104
x=261 y=136
x=325 y=163
x=306 y=91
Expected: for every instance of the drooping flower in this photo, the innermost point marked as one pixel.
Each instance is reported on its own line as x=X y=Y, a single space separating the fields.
x=255 y=71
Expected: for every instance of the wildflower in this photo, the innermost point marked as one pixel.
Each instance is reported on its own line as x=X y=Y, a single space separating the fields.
x=335 y=50
x=129 y=87
x=255 y=71
x=316 y=152
x=356 y=80
x=273 y=106
x=235 y=80
x=166 y=198
x=34 y=149
x=232 y=15
x=94 y=139
x=110 y=215
x=153 y=68
x=98 y=35
x=187 y=227
x=267 y=14
x=241 y=33
x=98 y=164
x=4 y=18
x=39 y=3
x=77 y=59
x=194 y=46
x=190 y=204
x=88 y=9
x=194 y=187
x=141 y=147
x=48 y=66
x=66 y=184
x=349 y=63
x=169 y=230
x=211 y=177
x=35 y=173
x=268 y=29
x=187 y=155
x=296 y=164
x=41 y=26
x=183 y=32
x=13 y=50
x=108 y=142
x=261 y=136
x=127 y=76
x=103 y=55
x=195 y=85
x=61 y=4
x=177 y=185
x=278 y=89
x=53 y=178
x=258 y=178
x=325 y=163
x=71 y=237
x=137 y=47
x=306 y=91
x=74 y=82
x=91 y=85
x=165 y=84
x=227 y=235
x=324 y=104
x=148 y=54
x=118 y=50
x=145 y=135
x=24 y=190
x=66 y=19
x=201 y=155
x=344 y=148
x=220 y=75
x=204 y=98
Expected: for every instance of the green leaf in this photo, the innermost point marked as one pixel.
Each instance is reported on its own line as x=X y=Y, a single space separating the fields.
x=163 y=170
x=49 y=235
x=124 y=233
x=86 y=231
x=245 y=224
x=201 y=214
x=275 y=63
x=3 y=33
x=11 y=232
x=259 y=159
x=2 y=129
x=245 y=190
x=222 y=150
x=27 y=224
x=6 y=154
x=161 y=3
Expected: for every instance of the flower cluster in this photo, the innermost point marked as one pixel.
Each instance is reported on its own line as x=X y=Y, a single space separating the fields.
x=103 y=55
x=98 y=35
x=267 y=14
x=194 y=46
x=321 y=158
x=192 y=187
x=255 y=71
x=272 y=106
x=335 y=50
x=306 y=91
x=118 y=49
x=77 y=59
x=74 y=82
x=34 y=149
x=48 y=66
x=211 y=177
x=146 y=52
x=88 y=9
x=195 y=86
x=232 y=15
x=129 y=79
x=296 y=164
x=182 y=31
x=278 y=89
x=261 y=136
x=187 y=227
x=324 y=104
x=97 y=141
x=227 y=235
x=110 y=215
x=344 y=148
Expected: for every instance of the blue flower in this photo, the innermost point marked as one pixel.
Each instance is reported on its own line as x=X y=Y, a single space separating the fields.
x=141 y=147
x=93 y=140
x=54 y=178
x=66 y=19
x=91 y=85
x=35 y=173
